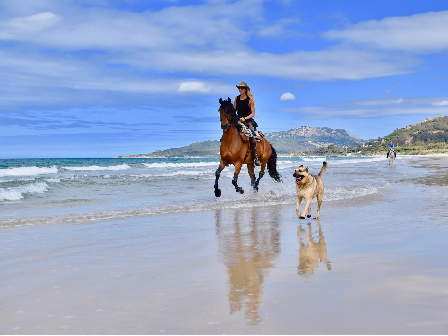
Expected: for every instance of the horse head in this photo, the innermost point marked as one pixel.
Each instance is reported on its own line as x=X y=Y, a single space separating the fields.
x=227 y=114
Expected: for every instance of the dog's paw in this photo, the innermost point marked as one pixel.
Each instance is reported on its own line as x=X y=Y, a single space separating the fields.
x=301 y=217
x=308 y=216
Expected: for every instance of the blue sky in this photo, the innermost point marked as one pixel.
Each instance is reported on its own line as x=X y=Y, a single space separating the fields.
x=103 y=78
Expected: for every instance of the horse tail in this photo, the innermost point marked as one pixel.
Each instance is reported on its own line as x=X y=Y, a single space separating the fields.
x=324 y=168
x=272 y=166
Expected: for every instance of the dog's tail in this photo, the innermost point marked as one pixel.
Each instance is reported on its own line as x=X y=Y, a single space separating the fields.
x=324 y=168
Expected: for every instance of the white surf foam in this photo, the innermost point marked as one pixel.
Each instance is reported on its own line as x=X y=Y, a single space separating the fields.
x=180 y=165
x=54 y=180
x=360 y=160
x=281 y=195
x=319 y=159
x=16 y=193
x=123 y=166
x=28 y=171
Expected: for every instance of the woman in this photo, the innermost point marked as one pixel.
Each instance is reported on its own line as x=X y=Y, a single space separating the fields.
x=245 y=107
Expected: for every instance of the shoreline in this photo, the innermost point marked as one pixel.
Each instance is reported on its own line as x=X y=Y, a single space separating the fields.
x=278 y=155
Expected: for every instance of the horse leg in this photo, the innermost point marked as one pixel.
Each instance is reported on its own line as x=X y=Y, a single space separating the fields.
x=235 y=177
x=250 y=170
x=263 y=166
x=217 y=174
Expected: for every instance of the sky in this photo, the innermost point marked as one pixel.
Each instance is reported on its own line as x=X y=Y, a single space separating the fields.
x=103 y=78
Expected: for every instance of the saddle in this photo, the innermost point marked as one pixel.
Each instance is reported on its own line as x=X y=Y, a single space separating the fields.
x=247 y=133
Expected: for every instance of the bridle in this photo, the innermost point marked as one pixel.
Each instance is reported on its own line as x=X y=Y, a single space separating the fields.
x=225 y=113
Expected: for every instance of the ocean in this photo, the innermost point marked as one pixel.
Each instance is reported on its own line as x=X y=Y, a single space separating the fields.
x=42 y=191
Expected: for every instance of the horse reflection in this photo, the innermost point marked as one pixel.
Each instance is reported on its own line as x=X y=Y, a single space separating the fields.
x=311 y=254
x=248 y=247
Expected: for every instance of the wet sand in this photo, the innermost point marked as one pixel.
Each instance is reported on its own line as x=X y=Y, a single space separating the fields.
x=372 y=265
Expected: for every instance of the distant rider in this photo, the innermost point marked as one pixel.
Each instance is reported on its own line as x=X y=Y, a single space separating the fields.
x=245 y=107
x=391 y=148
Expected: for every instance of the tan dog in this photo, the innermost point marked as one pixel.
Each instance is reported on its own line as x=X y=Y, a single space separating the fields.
x=309 y=186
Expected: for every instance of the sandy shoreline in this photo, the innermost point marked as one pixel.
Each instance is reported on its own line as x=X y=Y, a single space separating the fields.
x=373 y=264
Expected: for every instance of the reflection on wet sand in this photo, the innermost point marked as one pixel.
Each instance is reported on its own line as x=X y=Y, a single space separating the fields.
x=249 y=244
x=311 y=253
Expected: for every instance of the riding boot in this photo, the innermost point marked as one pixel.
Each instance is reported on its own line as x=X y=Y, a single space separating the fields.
x=253 y=147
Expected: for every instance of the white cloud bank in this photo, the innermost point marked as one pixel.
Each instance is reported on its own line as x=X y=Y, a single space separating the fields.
x=65 y=53
x=287 y=96
x=426 y=32
x=373 y=108
x=441 y=103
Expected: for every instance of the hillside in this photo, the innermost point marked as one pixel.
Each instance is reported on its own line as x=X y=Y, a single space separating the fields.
x=429 y=136
x=306 y=138
x=296 y=140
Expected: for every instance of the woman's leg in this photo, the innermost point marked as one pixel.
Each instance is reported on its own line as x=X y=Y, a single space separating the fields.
x=253 y=145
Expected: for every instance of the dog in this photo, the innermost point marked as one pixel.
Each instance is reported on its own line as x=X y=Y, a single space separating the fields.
x=309 y=186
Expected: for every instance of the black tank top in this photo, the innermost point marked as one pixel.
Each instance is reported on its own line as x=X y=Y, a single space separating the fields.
x=243 y=107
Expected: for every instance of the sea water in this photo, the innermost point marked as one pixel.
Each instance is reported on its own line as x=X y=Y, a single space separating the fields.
x=43 y=191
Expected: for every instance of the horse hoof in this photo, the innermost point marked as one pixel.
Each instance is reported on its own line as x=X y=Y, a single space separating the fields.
x=240 y=190
x=308 y=216
x=218 y=192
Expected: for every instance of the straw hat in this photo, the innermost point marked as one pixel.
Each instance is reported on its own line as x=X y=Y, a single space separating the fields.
x=244 y=85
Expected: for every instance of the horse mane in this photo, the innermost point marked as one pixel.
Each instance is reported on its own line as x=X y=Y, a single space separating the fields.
x=227 y=105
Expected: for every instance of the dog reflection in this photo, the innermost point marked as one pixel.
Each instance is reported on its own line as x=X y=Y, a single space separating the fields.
x=249 y=245
x=311 y=253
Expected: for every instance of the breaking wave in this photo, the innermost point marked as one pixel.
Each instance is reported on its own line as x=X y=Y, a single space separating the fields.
x=28 y=171
x=94 y=168
x=180 y=165
x=17 y=193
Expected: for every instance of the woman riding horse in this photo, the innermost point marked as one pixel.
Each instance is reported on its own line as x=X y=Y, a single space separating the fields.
x=245 y=107
x=235 y=151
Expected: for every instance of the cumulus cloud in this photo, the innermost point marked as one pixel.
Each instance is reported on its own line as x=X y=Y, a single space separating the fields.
x=419 y=33
x=287 y=96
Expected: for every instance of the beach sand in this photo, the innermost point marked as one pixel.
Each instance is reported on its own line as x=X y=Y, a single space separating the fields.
x=372 y=265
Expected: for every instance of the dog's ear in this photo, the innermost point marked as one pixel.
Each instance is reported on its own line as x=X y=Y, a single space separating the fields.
x=300 y=166
x=306 y=169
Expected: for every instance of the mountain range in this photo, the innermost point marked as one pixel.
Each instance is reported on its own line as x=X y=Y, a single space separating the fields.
x=296 y=140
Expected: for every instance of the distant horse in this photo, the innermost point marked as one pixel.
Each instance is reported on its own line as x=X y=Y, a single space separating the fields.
x=235 y=151
x=391 y=154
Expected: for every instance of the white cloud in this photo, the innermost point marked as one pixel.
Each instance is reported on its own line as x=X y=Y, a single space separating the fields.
x=193 y=87
x=419 y=32
x=372 y=108
x=287 y=96
x=441 y=103
x=171 y=40
x=27 y=25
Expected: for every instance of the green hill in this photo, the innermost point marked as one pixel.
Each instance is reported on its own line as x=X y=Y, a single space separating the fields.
x=296 y=140
x=429 y=136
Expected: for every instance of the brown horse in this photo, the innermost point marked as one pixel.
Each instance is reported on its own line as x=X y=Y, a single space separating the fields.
x=234 y=151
